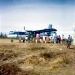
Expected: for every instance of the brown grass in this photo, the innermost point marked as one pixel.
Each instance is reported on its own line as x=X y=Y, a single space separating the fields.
x=35 y=58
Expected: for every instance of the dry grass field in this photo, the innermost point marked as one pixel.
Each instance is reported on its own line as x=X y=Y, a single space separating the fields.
x=35 y=58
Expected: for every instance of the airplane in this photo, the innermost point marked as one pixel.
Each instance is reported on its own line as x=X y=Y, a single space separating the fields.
x=22 y=34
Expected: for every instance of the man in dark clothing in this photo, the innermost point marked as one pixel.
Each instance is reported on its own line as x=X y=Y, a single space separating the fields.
x=69 y=40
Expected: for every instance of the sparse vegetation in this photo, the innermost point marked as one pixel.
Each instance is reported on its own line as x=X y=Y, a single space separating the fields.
x=36 y=46
x=47 y=55
x=35 y=59
x=66 y=60
x=9 y=69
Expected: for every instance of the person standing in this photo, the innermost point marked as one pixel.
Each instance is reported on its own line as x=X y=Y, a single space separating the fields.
x=55 y=38
x=37 y=37
x=19 y=39
x=29 y=36
x=63 y=39
x=26 y=38
x=69 y=40
x=59 y=39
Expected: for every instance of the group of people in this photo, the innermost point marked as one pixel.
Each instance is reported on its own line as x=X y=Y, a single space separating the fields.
x=58 y=39
x=69 y=41
x=25 y=39
x=52 y=39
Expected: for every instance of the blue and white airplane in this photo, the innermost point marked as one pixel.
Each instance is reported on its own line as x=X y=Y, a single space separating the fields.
x=23 y=34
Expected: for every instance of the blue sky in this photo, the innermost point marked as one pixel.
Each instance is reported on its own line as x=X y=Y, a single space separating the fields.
x=11 y=2
x=37 y=14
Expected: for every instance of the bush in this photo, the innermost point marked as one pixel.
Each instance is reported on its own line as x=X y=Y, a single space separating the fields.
x=47 y=54
x=8 y=69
